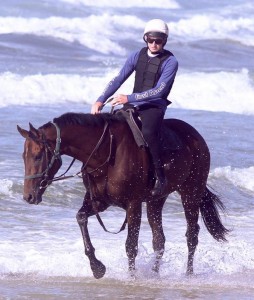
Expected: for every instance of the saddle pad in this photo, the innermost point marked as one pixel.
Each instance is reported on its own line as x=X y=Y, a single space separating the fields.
x=169 y=139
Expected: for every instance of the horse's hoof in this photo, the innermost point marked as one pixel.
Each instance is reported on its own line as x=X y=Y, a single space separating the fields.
x=156 y=268
x=189 y=273
x=132 y=273
x=98 y=269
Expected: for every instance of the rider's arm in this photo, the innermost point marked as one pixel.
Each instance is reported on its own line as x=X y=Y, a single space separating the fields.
x=121 y=77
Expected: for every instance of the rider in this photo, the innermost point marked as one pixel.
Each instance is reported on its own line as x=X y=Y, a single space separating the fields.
x=155 y=70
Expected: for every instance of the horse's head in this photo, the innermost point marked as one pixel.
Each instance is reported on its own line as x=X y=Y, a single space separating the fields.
x=42 y=160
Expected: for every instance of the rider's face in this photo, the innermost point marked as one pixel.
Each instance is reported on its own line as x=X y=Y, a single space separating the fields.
x=155 y=44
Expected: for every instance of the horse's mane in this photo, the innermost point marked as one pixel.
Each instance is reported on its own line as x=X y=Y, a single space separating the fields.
x=85 y=119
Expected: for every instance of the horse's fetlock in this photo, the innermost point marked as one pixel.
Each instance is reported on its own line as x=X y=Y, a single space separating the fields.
x=89 y=251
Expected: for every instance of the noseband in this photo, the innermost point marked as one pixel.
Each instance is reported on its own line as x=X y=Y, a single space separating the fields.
x=56 y=156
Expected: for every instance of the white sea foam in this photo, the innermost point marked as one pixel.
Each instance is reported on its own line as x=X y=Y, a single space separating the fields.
x=211 y=26
x=49 y=257
x=241 y=178
x=43 y=89
x=83 y=30
x=222 y=91
x=6 y=187
x=127 y=4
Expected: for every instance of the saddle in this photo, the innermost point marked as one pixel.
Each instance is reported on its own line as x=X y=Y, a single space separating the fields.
x=168 y=138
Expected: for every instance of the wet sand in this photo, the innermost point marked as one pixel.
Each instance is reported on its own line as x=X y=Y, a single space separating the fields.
x=33 y=287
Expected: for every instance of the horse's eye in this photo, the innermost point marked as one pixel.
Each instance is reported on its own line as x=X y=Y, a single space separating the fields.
x=38 y=157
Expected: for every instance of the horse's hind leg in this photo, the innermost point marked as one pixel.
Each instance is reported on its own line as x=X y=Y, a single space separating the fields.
x=154 y=215
x=86 y=211
x=191 y=202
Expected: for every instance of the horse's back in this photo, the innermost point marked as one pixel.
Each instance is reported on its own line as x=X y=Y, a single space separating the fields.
x=184 y=131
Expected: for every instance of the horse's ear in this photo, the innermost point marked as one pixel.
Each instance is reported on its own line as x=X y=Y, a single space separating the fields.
x=32 y=134
x=23 y=132
x=33 y=130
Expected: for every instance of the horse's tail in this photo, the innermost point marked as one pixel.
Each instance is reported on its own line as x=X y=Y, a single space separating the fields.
x=210 y=214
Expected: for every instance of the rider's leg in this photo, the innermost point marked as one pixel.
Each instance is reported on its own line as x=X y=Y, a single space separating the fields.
x=151 y=119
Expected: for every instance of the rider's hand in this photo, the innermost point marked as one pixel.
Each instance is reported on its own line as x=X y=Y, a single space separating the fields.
x=119 y=99
x=96 y=108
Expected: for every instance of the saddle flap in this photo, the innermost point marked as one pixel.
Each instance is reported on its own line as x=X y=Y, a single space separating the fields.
x=168 y=138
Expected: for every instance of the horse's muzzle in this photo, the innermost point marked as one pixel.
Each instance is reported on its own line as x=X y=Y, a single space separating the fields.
x=32 y=199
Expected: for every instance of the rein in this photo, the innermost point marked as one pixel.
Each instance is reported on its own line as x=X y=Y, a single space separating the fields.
x=62 y=177
x=106 y=126
x=97 y=213
x=89 y=180
x=56 y=156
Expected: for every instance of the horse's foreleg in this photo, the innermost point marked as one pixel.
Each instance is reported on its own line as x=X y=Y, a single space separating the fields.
x=154 y=215
x=134 y=219
x=86 y=211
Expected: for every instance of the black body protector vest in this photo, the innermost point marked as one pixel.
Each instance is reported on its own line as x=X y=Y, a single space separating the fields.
x=148 y=70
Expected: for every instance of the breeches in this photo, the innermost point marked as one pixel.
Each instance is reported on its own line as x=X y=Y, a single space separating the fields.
x=151 y=119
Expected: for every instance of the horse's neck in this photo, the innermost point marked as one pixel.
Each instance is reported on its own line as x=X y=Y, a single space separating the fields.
x=95 y=145
x=79 y=141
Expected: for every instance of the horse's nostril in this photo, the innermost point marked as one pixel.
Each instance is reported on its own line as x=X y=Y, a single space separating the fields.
x=28 y=198
x=32 y=199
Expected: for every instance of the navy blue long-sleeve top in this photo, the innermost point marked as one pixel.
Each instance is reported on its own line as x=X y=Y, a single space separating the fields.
x=156 y=95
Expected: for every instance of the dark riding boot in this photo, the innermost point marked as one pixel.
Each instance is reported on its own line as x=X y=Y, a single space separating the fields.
x=160 y=183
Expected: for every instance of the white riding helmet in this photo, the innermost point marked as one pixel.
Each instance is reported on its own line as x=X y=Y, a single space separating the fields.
x=156 y=28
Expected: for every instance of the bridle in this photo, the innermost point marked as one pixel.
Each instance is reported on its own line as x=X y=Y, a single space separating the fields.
x=56 y=156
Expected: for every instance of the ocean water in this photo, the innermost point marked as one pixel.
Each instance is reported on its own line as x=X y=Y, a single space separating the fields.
x=57 y=56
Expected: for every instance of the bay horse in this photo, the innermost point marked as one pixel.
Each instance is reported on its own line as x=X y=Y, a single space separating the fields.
x=117 y=172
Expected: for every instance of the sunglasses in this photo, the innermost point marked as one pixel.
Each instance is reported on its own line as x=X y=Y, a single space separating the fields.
x=157 y=41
